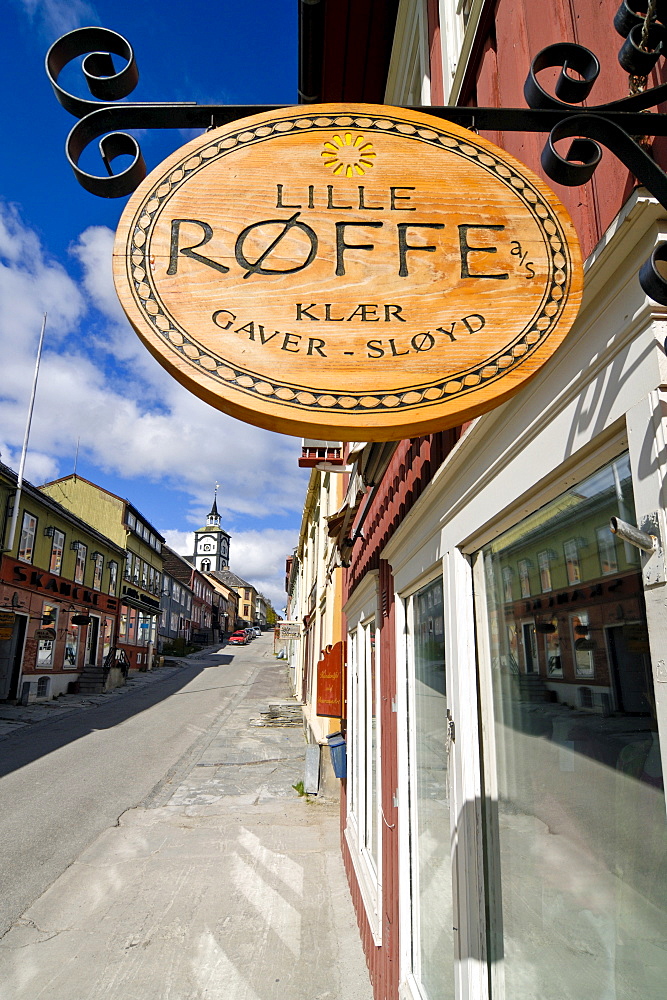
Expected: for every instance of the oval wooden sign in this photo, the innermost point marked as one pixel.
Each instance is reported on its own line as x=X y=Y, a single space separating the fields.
x=351 y=271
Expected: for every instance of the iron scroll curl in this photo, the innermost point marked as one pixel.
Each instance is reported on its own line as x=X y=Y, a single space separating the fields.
x=599 y=125
x=109 y=118
x=100 y=118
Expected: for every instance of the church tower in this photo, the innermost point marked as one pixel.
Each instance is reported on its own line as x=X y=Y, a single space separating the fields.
x=212 y=542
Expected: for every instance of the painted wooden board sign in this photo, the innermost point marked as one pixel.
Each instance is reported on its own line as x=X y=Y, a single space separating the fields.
x=331 y=682
x=352 y=271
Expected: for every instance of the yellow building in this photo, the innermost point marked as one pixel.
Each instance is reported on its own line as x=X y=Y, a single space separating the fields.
x=141 y=585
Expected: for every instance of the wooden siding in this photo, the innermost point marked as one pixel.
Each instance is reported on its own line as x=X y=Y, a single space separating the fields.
x=383 y=961
x=410 y=470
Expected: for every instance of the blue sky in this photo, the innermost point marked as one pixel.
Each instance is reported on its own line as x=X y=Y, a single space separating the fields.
x=141 y=434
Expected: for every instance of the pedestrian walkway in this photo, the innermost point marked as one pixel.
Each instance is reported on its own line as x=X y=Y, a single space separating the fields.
x=224 y=884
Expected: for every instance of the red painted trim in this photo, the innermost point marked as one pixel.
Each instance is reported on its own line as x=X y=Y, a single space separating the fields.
x=435 y=52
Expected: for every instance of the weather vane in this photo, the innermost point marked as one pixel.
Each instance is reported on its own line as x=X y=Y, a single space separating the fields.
x=621 y=126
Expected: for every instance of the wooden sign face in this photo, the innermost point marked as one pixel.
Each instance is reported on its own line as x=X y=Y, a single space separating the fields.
x=352 y=271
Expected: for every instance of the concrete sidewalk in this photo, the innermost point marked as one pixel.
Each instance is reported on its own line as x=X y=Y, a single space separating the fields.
x=224 y=884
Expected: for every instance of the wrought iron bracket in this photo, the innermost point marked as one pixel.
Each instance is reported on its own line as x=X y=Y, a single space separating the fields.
x=620 y=126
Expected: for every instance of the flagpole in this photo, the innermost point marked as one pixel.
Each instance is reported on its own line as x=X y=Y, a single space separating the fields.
x=19 y=481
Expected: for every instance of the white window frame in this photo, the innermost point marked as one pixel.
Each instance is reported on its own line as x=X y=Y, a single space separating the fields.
x=362 y=617
x=28 y=535
x=409 y=77
x=468 y=887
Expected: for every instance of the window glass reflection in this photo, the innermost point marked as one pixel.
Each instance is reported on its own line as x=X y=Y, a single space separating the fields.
x=429 y=768
x=581 y=868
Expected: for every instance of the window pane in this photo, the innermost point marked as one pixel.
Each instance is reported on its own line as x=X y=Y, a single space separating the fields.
x=431 y=853
x=107 y=637
x=46 y=647
x=72 y=638
x=371 y=838
x=27 y=542
x=57 y=546
x=580 y=874
x=80 y=567
x=97 y=573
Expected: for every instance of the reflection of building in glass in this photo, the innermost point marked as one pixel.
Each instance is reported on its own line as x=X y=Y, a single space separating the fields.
x=582 y=619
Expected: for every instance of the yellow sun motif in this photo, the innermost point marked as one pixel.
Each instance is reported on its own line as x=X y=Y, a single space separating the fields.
x=348 y=156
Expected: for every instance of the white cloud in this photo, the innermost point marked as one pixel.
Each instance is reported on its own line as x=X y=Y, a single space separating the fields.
x=100 y=385
x=59 y=16
x=180 y=541
x=94 y=251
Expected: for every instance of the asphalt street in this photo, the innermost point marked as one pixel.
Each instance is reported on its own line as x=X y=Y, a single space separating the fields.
x=157 y=849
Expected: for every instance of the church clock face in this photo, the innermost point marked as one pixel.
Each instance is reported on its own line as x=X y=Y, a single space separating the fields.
x=206 y=544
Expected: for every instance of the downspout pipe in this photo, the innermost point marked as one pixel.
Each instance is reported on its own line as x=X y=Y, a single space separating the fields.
x=311 y=41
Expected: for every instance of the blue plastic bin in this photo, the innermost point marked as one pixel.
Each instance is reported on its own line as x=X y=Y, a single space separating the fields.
x=338 y=754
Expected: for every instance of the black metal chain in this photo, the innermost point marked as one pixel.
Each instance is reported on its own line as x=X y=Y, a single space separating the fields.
x=637 y=84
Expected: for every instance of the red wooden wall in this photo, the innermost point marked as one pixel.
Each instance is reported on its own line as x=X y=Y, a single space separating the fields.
x=410 y=470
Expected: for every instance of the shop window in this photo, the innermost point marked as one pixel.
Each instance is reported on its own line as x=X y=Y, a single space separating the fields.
x=80 y=564
x=72 y=640
x=132 y=625
x=28 y=532
x=552 y=654
x=123 y=622
x=57 y=547
x=107 y=637
x=575 y=834
x=583 y=644
x=46 y=645
x=429 y=767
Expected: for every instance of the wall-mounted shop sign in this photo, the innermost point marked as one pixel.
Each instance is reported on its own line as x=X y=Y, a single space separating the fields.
x=331 y=682
x=7 y=619
x=22 y=575
x=337 y=271
x=289 y=630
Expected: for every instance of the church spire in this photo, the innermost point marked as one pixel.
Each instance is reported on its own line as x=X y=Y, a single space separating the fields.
x=213 y=519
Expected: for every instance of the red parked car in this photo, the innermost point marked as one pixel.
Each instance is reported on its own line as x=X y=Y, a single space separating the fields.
x=238 y=639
